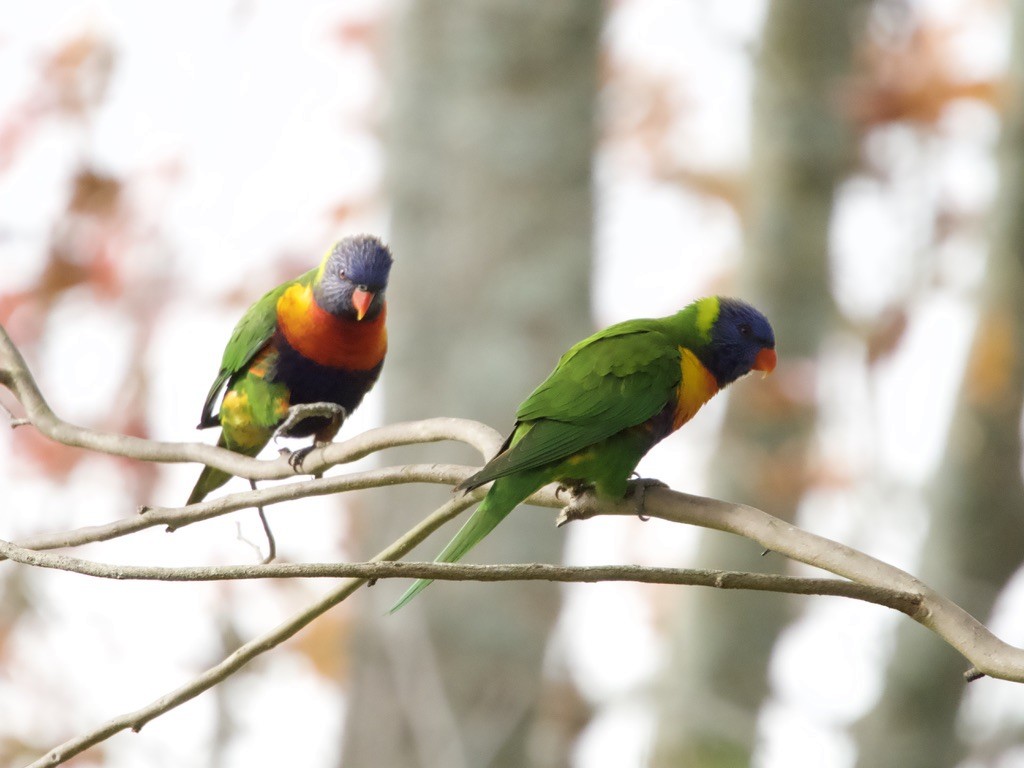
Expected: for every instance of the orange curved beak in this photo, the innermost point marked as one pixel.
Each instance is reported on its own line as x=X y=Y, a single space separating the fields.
x=765 y=361
x=361 y=301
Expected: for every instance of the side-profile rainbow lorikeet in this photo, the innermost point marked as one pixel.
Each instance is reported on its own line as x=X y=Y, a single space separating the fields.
x=608 y=401
x=303 y=356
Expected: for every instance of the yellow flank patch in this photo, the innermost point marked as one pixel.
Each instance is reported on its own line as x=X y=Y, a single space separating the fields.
x=696 y=387
x=233 y=405
x=237 y=422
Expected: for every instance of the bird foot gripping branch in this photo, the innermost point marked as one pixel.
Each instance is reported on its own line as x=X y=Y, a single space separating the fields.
x=574 y=488
x=297 y=457
x=297 y=414
x=584 y=502
x=638 y=493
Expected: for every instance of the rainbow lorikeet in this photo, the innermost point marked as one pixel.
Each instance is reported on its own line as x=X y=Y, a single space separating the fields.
x=608 y=401
x=303 y=356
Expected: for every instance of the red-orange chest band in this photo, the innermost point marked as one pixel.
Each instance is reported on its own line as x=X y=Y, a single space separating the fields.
x=336 y=342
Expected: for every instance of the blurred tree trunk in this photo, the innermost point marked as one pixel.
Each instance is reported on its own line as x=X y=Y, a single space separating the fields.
x=977 y=500
x=492 y=133
x=802 y=147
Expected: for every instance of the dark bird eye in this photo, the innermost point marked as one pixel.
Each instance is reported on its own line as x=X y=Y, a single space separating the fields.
x=745 y=329
x=341 y=273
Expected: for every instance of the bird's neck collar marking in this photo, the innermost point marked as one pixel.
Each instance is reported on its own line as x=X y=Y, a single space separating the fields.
x=707 y=314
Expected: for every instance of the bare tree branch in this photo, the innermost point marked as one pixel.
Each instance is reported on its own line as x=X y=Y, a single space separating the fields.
x=869 y=579
x=250 y=650
x=15 y=375
x=178 y=517
x=901 y=601
x=989 y=655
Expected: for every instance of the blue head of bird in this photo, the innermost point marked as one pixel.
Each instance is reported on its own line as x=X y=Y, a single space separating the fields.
x=741 y=341
x=353 y=278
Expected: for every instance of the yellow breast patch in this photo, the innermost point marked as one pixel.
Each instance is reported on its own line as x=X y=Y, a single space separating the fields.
x=696 y=387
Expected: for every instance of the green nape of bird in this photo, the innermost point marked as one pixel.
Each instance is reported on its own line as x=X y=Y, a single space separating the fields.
x=608 y=401
x=302 y=357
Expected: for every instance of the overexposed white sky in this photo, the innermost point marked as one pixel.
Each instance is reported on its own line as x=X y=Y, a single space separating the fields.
x=228 y=117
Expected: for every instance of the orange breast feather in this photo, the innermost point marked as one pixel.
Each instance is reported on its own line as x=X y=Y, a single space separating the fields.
x=326 y=339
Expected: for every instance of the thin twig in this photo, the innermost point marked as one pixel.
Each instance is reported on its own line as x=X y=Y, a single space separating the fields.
x=764 y=582
x=250 y=650
x=14 y=420
x=870 y=579
x=271 y=541
x=174 y=517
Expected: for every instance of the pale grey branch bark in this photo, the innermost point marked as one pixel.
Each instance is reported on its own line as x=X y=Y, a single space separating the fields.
x=250 y=650
x=15 y=375
x=989 y=655
x=905 y=602
x=869 y=579
x=175 y=517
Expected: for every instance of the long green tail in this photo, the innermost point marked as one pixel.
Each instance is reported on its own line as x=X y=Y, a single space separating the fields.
x=211 y=479
x=500 y=500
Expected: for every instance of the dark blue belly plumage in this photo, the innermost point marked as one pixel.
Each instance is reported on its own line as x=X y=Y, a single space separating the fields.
x=311 y=382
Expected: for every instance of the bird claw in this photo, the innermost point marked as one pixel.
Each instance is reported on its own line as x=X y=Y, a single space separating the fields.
x=584 y=503
x=334 y=413
x=581 y=503
x=299 y=413
x=296 y=458
x=638 y=492
x=573 y=487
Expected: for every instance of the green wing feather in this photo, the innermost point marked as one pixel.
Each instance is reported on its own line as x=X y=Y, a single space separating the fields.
x=616 y=379
x=251 y=334
x=579 y=420
x=613 y=380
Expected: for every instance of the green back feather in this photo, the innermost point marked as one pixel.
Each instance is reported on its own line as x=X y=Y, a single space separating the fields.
x=251 y=334
x=614 y=380
x=618 y=378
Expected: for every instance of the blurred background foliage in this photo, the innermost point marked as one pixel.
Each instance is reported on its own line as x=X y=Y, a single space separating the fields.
x=854 y=167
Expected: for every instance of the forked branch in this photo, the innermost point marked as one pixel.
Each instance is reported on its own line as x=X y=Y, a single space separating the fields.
x=863 y=577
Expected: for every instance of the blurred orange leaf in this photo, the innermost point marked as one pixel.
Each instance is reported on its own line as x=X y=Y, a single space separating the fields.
x=990 y=367
x=50 y=457
x=885 y=337
x=94 y=193
x=78 y=72
x=324 y=644
x=912 y=80
x=359 y=32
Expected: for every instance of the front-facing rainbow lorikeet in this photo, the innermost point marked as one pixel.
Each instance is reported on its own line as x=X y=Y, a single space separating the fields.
x=303 y=356
x=608 y=401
